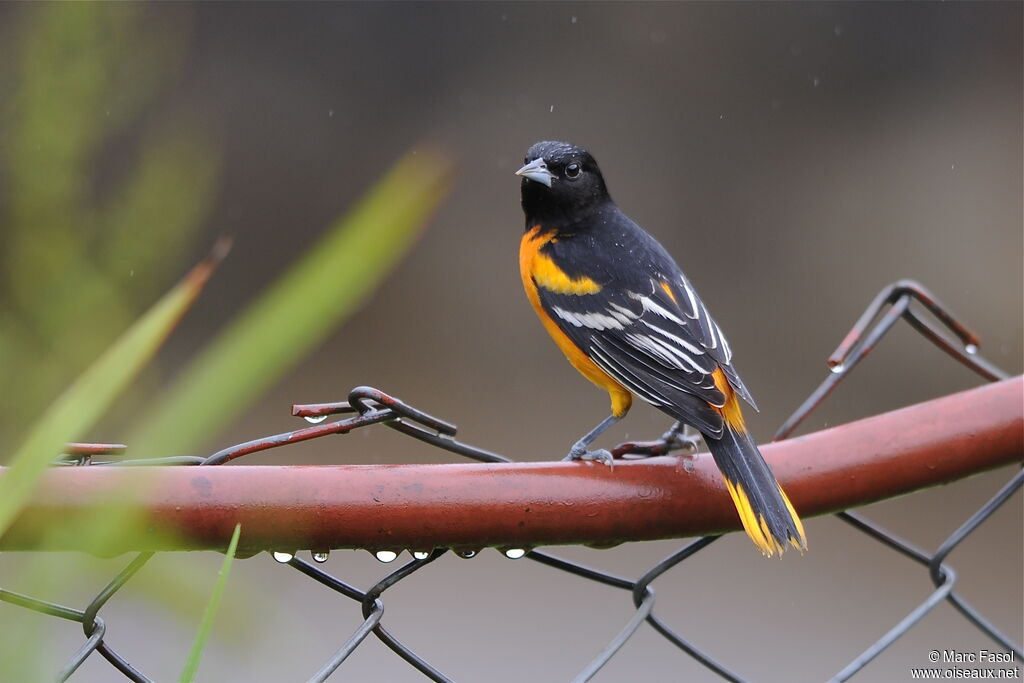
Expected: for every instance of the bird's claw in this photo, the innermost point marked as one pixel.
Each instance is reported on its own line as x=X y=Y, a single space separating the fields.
x=580 y=452
x=682 y=440
x=687 y=443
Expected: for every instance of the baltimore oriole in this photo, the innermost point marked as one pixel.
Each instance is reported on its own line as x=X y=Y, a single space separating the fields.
x=629 y=320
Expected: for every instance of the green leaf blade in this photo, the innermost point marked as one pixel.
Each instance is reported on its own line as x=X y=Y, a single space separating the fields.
x=298 y=311
x=89 y=396
x=188 y=673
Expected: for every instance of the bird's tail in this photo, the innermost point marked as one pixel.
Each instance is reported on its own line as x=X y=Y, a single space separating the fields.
x=764 y=509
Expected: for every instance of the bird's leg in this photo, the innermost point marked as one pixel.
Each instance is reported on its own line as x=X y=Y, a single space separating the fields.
x=579 y=449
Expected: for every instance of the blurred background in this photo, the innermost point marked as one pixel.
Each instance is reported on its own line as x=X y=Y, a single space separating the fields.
x=794 y=157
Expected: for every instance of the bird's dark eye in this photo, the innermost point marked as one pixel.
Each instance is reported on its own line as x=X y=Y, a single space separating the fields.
x=572 y=170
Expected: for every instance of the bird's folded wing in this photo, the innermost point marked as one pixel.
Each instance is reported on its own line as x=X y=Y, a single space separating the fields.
x=663 y=351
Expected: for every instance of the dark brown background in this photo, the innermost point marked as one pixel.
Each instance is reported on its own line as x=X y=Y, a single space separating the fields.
x=794 y=158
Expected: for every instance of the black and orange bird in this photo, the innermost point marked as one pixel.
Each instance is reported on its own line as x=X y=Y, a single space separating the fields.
x=629 y=320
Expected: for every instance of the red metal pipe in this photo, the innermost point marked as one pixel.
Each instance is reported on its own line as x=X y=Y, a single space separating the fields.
x=523 y=504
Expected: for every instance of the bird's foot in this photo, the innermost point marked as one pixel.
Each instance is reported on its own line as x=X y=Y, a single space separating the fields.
x=681 y=439
x=579 y=452
x=678 y=440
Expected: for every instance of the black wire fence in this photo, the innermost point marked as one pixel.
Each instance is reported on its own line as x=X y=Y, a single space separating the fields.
x=373 y=407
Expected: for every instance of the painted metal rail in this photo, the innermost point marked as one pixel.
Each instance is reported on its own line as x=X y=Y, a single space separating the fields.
x=521 y=505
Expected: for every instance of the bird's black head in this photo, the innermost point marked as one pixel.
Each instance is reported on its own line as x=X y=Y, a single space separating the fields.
x=562 y=185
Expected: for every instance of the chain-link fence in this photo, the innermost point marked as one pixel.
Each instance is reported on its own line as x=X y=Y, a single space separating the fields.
x=368 y=407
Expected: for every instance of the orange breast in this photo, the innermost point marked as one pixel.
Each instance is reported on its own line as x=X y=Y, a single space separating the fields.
x=538 y=270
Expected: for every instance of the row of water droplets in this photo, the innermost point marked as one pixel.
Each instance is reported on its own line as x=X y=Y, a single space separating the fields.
x=387 y=556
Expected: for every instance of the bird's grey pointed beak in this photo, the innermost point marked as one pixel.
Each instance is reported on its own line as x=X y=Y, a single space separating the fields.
x=537 y=171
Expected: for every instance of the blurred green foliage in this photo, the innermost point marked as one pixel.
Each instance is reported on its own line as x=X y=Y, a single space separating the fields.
x=295 y=313
x=89 y=396
x=84 y=246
